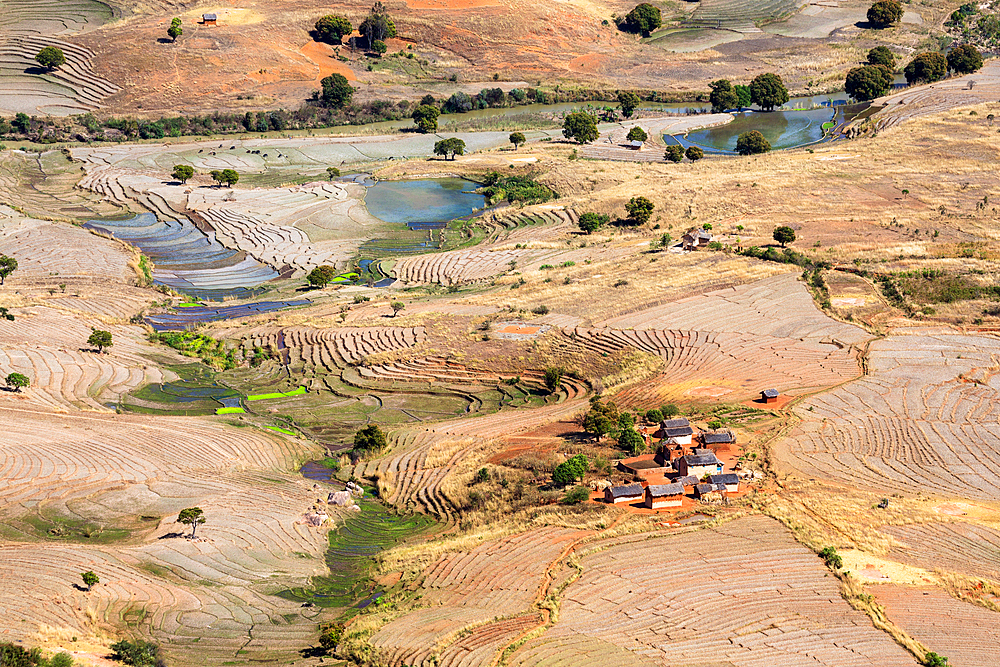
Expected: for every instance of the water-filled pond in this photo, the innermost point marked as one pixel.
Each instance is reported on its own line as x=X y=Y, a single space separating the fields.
x=185 y=318
x=423 y=204
x=783 y=129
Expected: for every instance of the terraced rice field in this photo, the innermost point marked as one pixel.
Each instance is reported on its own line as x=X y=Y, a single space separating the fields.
x=732 y=342
x=739 y=15
x=192 y=315
x=458 y=267
x=53 y=17
x=964 y=633
x=925 y=419
x=110 y=469
x=959 y=547
x=742 y=594
x=497 y=579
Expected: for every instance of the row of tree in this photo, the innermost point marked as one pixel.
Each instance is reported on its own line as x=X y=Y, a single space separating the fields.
x=766 y=91
x=874 y=79
x=230 y=177
x=376 y=27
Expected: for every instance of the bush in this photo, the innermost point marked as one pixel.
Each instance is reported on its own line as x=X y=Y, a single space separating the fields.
x=831 y=558
x=553 y=378
x=694 y=153
x=630 y=440
x=576 y=495
x=881 y=55
x=752 y=143
x=50 y=57
x=674 y=153
x=540 y=310
x=644 y=18
x=637 y=134
x=885 y=13
x=670 y=410
x=654 y=416
x=137 y=654
x=639 y=209
x=932 y=659
x=515 y=189
x=370 y=439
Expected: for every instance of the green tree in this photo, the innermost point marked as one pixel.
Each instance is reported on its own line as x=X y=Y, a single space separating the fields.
x=321 y=275
x=885 y=13
x=673 y=153
x=965 y=59
x=868 y=82
x=378 y=25
x=591 y=222
x=518 y=139
x=89 y=579
x=654 y=416
x=723 y=96
x=426 y=118
x=50 y=57
x=333 y=172
x=768 y=91
x=17 y=380
x=553 y=378
x=644 y=18
x=8 y=265
x=182 y=172
x=454 y=146
x=881 y=55
x=752 y=143
x=192 y=516
x=831 y=557
x=926 y=67
x=230 y=177
x=336 y=92
x=580 y=126
x=175 y=30
x=630 y=440
x=396 y=307
x=744 y=95
x=637 y=134
x=784 y=235
x=639 y=210
x=329 y=638
x=628 y=101
x=932 y=659
x=370 y=439
x=99 y=339
x=5 y=314
x=694 y=153
x=379 y=47
x=601 y=419
x=136 y=654
x=332 y=29
x=563 y=475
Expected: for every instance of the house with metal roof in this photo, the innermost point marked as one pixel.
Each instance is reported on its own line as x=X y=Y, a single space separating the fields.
x=699 y=465
x=709 y=492
x=664 y=495
x=730 y=480
x=676 y=431
x=626 y=493
x=209 y=19
x=718 y=438
x=769 y=396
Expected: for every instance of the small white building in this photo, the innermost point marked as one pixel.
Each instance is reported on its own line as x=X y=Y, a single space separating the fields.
x=675 y=431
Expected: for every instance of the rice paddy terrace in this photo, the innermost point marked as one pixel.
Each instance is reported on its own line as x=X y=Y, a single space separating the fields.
x=26 y=26
x=925 y=419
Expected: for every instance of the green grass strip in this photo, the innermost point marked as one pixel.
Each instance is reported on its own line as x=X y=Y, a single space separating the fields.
x=281 y=430
x=188 y=305
x=229 y=411
x=286 y=394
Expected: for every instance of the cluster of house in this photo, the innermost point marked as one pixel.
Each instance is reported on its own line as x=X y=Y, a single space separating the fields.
x=690 y=469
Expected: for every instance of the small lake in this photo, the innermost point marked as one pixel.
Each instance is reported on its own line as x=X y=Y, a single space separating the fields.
x=424 y=204
x=783 y=129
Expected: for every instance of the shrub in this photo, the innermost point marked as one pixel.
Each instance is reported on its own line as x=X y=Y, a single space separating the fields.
x=576 y=495
x=332 y=28
x=694 y=153
x=654 y=416
x=540 y=310
x=885 y=13
x=673 y=153
x=932 y=659
x=50 y=57
x=137 y=654
x=637 y=134
x=639 y=209
x=370 y=439
x=498 y=188
x=881 y=55
x=591 y=222
x=670 y=410
x=644 y=18
x=752 y=143
x=553 y=378
x=831 y=558
x=630 y=440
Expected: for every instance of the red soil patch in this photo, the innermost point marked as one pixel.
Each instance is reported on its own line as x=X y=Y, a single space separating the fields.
x=783 y=400
x=514 y=329
x=389 y=579
x=590 y=62
x=322 y=55
x=710 y=392
x=450 y=4
x=542 y=440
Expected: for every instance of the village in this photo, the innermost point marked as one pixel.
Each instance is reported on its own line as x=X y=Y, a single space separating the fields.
x=685 y=469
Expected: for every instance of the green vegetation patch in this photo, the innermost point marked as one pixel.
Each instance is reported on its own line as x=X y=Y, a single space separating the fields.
x=352 y=548
x=498 y=188
x=281 y=430
x=281 y=394
x=229 y=411
x=214 y=353
x=934 y=286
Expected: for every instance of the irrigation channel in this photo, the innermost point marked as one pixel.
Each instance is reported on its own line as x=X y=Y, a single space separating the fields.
x=353 y=546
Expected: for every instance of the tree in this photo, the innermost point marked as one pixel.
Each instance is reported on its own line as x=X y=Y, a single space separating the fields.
x=654 y=416
x=868 y=82
x=723 y=96
x=694 y=153
x=17 y=380
x=644 y=18
x=377 y=26
x=379 y=47
x=332 y=28
x=601 y=419
x=744 y=95
x=674 y=153
x=926 y=67
x=831 y=557
x=370 y=439
x=50 y=57
x=932 y=659
x=192 y=516
x=426 y=118
x=396 y=307
x=639 y=209
x=628 y=101
x=175 y=30
x=136 y=654
x=518 y=139
x=330 y=637
x=881 y=55
x=580 y=126
x=591 y=222
x=563 y=475
x=5 y=314
x=637 y=134
x=885 y=13
x=336 y=92
x=8 y=265
x=768 y=91
x=455 y=146
x=630 y=440
x=752 y=143
x=89 y=579
x=321 y=275
x=99 y=339
x=553 y=378
x=182 y=172
x=964 y=59
x=784 y=235
x=333 y=172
